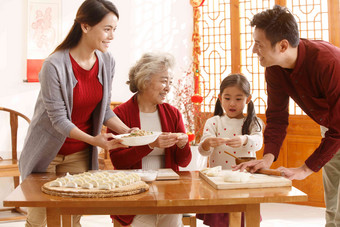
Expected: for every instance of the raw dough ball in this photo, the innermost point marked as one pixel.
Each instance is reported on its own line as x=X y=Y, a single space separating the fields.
x=236 y=176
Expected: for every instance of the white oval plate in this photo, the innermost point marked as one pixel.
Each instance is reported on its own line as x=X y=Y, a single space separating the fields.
x=137 y=140
x=148 y=175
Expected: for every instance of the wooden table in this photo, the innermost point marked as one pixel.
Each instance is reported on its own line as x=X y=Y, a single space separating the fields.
x=189 y=194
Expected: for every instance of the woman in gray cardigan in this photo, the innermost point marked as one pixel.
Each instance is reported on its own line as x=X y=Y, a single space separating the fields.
x=74 y=101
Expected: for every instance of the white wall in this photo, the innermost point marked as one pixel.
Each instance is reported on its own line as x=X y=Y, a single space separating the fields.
x=144 y=25
x=147 y=25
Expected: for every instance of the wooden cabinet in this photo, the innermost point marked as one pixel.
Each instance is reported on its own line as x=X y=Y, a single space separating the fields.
x=299 y=148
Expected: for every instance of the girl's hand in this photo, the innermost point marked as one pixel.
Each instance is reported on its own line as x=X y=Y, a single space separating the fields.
x=182 y=140
x=165 y=140
x=107 y=141
x=237 y=141
x=212 y=142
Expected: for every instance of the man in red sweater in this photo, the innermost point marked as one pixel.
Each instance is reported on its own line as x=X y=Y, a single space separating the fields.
x=308 y=71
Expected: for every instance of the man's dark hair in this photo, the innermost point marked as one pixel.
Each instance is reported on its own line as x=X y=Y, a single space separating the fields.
x=278 y=24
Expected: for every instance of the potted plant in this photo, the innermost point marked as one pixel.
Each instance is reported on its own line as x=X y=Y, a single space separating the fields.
x=181 y=97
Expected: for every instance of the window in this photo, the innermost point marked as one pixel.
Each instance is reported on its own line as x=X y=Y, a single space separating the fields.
x=226 y=42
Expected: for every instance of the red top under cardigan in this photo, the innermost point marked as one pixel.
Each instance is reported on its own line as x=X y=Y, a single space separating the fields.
x=87 y=94
x=131 y=158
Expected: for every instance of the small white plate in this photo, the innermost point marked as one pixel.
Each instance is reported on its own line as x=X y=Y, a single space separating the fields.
x=137 y=140
x=147 y=175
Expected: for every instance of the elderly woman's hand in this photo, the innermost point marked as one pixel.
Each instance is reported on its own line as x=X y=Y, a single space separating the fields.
x=182 y=140
x=165 y=140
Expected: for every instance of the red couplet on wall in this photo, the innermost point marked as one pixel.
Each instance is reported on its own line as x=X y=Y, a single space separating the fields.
x=33 y=69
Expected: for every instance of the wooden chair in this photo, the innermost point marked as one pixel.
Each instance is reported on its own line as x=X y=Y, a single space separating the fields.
x=9 y=167
x=187 y=220
x=104 y=155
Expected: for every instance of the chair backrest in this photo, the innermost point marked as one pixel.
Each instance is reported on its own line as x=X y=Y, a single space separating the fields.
x=14 y=115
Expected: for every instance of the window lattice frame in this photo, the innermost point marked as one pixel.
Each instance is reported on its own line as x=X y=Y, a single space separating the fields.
x=225 y=42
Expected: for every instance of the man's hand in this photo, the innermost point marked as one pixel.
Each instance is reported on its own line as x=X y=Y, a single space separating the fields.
x=253 y=166
x=298 y=173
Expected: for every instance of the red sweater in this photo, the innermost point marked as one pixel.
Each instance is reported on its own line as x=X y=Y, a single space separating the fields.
x=314 y=84
x=131 y=158
x=87 y=94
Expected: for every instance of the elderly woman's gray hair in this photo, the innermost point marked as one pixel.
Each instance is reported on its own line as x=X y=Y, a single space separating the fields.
x=149 y=64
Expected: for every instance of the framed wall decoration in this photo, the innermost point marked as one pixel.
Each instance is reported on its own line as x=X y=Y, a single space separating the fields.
x=43 y=33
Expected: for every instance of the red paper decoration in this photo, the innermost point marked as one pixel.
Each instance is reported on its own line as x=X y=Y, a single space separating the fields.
x=191 y=136
x=197 y=3
x=197 y=99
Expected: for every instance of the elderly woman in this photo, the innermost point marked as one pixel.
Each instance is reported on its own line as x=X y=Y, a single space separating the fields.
x=150 y=79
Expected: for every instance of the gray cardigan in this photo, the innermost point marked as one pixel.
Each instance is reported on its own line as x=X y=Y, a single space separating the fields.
x=51 y=122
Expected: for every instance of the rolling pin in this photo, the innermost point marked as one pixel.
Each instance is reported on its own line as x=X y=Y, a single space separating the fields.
x=270 y=172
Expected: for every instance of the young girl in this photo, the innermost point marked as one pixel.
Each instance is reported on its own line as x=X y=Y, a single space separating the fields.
x=229 y=130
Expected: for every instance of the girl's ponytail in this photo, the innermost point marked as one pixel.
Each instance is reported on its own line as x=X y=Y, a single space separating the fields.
x=251 y=116
x=218 y=108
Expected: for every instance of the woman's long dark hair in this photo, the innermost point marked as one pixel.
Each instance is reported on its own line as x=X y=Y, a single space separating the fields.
x=91 y=12
x=241 y=82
